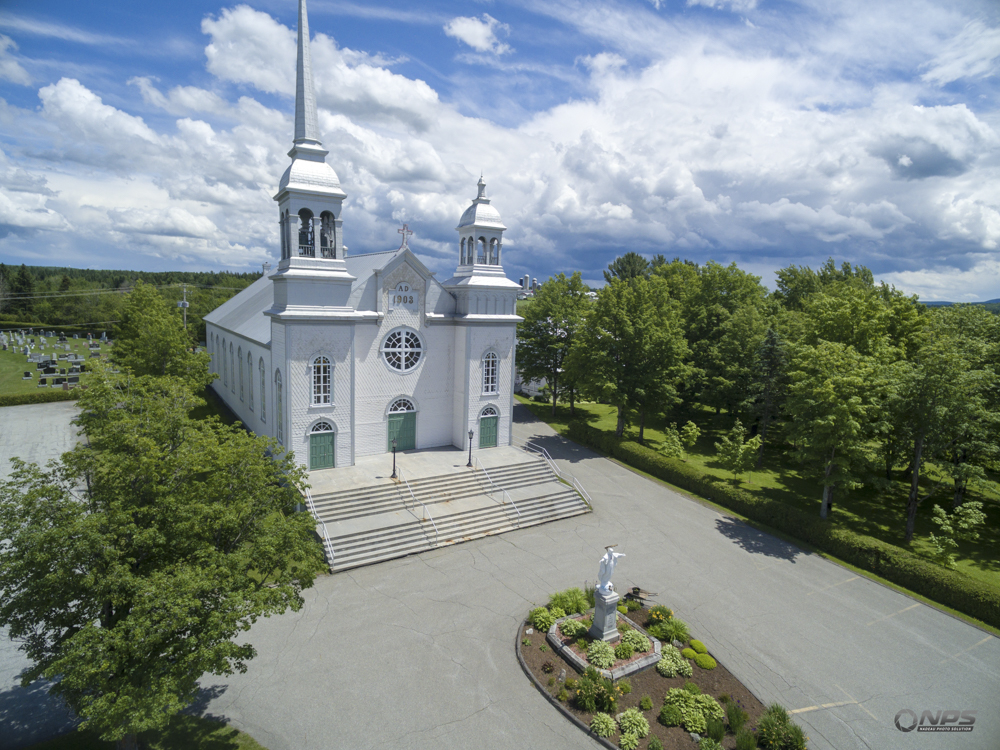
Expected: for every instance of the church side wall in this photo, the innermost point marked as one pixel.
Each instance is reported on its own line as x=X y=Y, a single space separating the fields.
x=460 y=388
x=499 y=340
x=230 y=393
x=303 y=342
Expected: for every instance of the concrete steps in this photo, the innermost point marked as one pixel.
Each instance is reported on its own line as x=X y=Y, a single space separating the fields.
x=370 y=524
x=399 y=537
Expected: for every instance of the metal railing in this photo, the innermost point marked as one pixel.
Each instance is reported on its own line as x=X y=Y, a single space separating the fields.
x=327 y=542
x=498 y=487
x=427 y=515
x=568 y=478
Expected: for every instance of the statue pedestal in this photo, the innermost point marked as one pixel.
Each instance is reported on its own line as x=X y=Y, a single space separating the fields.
x=605 y=627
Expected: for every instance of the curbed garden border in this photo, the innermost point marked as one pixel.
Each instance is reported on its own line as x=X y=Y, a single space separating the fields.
x=541 y=689
x=640 y=665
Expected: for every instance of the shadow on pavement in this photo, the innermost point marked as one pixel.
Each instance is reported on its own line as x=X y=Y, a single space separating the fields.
x=30 y=715
x=757 y=542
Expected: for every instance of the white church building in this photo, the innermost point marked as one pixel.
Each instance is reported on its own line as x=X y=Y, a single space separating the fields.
x=337 y=355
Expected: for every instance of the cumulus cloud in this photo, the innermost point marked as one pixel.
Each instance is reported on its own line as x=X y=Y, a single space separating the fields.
x=179 y=100
x=10 y=69
x=479 y=33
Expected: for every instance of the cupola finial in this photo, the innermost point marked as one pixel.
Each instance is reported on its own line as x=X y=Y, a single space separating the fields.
x=306 y=124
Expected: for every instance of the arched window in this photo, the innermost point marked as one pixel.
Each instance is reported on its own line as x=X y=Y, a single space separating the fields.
x=494 y=258
x=463 y=251
x=482 y=250
x=232 y=368
x=239 y=356
x=321 y=427
x=263 y=392
x=225 y=370
x=250 y=377
x=489 y=411
x=321 y=380
x=490 y=373
x=401 y=405
x=307 y=235
x=284 y=237
x=327 y=235
x=402 y=350
x=277 y=408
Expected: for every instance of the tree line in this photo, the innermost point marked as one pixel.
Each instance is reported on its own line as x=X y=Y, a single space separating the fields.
x=868 y=384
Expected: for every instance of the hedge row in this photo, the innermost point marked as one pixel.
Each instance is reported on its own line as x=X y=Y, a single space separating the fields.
x=41 y=397
x=940 y=584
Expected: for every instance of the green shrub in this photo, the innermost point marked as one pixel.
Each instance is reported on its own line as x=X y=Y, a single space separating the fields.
x=622 y=609
x=646 y=703
x=552 y=682
x=525 y=641
x=541 y=618
x=632 y=605
x=557 y=613
x=623 y=651
x=543 y=647
x=670 y=716
x=600 y=654
x=572 y=628
x=570 y=601
x=582 y=644
x=571 y=684
x=563 y=695
x=715 y=729
x=602 y=725
x=736 y=717
x=692 y=688
x=695 y=710
x=707 y=743
x=670 y=630
x=659 y=613
x=776 y=730
x=699 y=647
x=43 y=396
x=654 y=744
x=628 y=741
x=636 y=640
x=900 y=566
x=632 y=721
x=596 y=693
x=689 y=653
x=671 y=663
x=705 y=661
x=746 y=740
x=623 y=627
x=624 y=686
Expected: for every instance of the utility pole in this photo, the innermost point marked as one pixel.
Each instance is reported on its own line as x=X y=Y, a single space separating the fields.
x=184 y=305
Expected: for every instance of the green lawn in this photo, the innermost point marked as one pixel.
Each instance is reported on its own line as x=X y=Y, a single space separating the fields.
x=183 y=733
x=13 y=365
x=875 y=512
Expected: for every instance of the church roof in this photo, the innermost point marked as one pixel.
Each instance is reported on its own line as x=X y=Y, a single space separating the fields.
x=481 y=213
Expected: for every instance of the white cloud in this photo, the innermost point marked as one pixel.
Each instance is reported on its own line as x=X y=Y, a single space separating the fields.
x=80 y=112
x=970 y=54
x=737 y=6
x=57 y=31
x=479 y=33
x=10 y=69
x=180 y=100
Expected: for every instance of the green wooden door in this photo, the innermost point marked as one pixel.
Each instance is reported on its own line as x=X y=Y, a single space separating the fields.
x=403 y=427
x=321 y=450
x=488 y=432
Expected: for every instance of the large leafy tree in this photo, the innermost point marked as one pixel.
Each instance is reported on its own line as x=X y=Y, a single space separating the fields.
x=132 y=563
x=551 y=324
x=631 y=349
x=150 y=340
x=768 y=384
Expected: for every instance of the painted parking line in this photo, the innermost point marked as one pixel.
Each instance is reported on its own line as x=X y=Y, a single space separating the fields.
x=964 y=650
x=822 y=705
x=856 y=702
x=833 y=586
x=905 y=609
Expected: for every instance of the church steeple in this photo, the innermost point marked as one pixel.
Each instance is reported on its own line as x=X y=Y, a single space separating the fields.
x=306 y=126
x=480 y=232
x=309 y=194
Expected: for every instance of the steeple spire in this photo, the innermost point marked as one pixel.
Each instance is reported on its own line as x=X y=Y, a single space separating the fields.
x=306 y=127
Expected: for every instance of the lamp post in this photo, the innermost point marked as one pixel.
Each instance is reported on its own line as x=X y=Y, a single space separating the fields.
x=469 y=465
x=393 y=459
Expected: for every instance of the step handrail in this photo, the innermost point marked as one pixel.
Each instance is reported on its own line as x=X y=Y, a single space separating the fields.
x=497 y=486
x=427 y=515
x=540 y=450
x=327 y=542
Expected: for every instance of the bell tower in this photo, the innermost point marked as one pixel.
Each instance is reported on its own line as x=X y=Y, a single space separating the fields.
x=480 y=233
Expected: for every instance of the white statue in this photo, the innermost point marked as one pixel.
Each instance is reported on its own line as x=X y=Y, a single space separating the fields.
x=607 y=569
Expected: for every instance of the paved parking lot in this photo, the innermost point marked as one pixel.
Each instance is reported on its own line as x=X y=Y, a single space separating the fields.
x=419 y=652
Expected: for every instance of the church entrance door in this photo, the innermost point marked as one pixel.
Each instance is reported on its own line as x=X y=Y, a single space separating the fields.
x=402 y=423
x=488 y=432
x=321 y=450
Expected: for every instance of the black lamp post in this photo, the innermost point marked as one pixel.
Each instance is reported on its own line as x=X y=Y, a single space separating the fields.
x=393 y=459
x=469 y=465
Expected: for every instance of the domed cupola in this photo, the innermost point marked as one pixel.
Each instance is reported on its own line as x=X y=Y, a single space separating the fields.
x=480 y=232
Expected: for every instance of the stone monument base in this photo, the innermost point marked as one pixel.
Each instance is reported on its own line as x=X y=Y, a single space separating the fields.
x=605 y=627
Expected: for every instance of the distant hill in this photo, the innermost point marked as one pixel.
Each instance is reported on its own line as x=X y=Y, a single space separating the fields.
x=937 y=303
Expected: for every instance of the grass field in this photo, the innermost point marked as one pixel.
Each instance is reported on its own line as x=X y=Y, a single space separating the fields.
x=13 y=365
x=877 y=513
x=183 y=733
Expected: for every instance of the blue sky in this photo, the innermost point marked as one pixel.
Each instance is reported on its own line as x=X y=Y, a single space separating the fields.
x=152 y=135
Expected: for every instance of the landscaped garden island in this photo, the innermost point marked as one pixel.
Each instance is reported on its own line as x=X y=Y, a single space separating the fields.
x=653 y=687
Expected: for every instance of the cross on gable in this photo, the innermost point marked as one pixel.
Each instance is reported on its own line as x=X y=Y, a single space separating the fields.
x=406 y=232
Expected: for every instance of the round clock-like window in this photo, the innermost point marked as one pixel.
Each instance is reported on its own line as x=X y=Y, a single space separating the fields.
x=402 y=350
